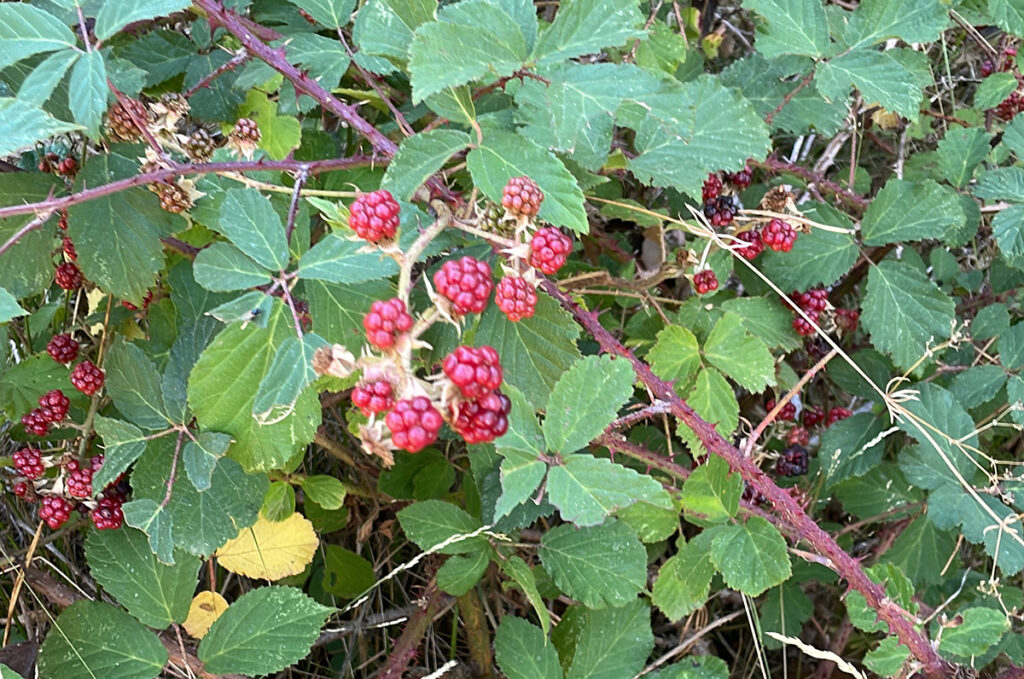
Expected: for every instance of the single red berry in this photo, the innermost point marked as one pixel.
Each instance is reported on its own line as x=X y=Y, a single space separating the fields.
x=812 y=415
x=705 y=281
x=35 y=421
x=466 y=283
x=69 y=248
x=374 y=216
x=87 y=378
x=79 y=482
x=62 y=348
x=482 y=420
x=522 y=197
x=386 y=320
x=108 y=514
x=755 y=247
x=414 y=423
x=55 y=511
x=798 y=436
x=847 y=320
x=475 y=371
x=68 y=276
x=815 y=299
x=516 y=298
x=793 y=462
x=29 y=463
x=374 y=397
x=778 y=235
x=54 y=405
x=987 y=69
x=787 y=412
x=549 y=248
x=20 y=489
x=741 y=179
x=68 y=166
x=802 y=326
x=837 y=414
x=712 y=187
x=44 y=165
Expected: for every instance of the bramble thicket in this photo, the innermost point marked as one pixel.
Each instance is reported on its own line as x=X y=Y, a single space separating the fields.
x=546 y=340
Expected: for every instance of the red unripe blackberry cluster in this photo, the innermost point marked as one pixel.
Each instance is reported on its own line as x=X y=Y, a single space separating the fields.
x=712 y=188
x=787 y=412
x=29 y=463
x=414 y=423
x=87 y=378
x=549 y=248
x=778 y=235
x=837 y=414
x=374 y=216
x=68 y=276
x=483 y=419
x=755 y=247
x=386 y=320
x=466 y=283
x=62 y=348
x=54 y=405
x=812 y=416
x=516 y=298
x=35 y=422
x=522 y=197
x=813 y=303
x=108 y=514
x=476 y=371
x=55 y=511
x=793 y=462
x=740 y=180
x=798 y=436
x=79 y=482
x=705 y=281
x=69 y=248
x=847 y=320
x=374 y=397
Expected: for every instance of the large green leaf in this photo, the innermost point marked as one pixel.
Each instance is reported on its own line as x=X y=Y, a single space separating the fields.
x=87 y=91
x=791 y=27
x=420 y=156
x=587 y=489
x=739 y=354
x=113 y=16
x=249 y=221
x=1001 y=183
x=156 y=521
x=534 y=351
x=908 y=20
x=222 y=267
x=585 y=400
x=287 y=378
x=766 y=319
x=338 y=310
x=752 y=556
x=686 y=131
x=22 y=124
x=44 y=79
x=223 y=387
x=468 y=41
x=1008 y=228
x=711 y=494
x=961 y=150
x=339 y=259
x=92 y=639
x=385 y=27
x=155 y=593
x=905 y=210
x=601 y=566
x=583 y=27
x=9 y=307
x=851 y=447
x=613 y=642
x=134 y=384
x=675 y=355
x=523 y=652
x=904 y=311
x=880 y=77
x=331 y=13
x=573 y=112
x=504 y=155
x=201 y=455
x=817 y=258
x=433 y=522
x=264 y=631
x=26 y=268
x=1008 y=15
x=979 y=629
x=26 y=30
x=685 y=579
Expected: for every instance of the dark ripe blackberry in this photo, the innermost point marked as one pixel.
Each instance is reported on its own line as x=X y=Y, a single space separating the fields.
x=753 y=497
x=721 y=210
x=793 y=462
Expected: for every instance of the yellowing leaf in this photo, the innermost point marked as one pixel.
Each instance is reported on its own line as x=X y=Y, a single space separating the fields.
x=205 y=609
x=271 y=550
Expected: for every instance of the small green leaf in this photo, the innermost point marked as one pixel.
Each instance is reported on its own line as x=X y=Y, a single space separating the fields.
x=420 y=156
x=249 y=221
x=222 y=267
x=201 y=456
x=156 y=594
x=385 y=27
x=784 y=611
x=898 y=587
x=44 y=78
x=522 y=651
x=338 y=259
x=739 y=354
x=676 y=354
x=582 y=27
x=523 y=576
x=26 y=30
x=887 y=658
x=330 y=13
x=586 y=489
x=585 y=400
x=89 y=635
x=264 y=631
x=123 y=444
x=714 y=400
x=904 y=311
x=684 y=580
x=113 y=16
x=156 y=522
x=766 y=319
x=433 y=522
x=979 y=384
x=9 y=307
x=279 y=502
x=1001 y=183
x=961 y=150
x=346 y=574
x=752 y=556
x=600 y=566
x=851 y=447
x=1011 y=347
x=791 y=27
x=326 y=491
x=711 y=494
x=459 y=574
x=906 y=210
x=134 y=384
x=994 y=89
x=87 y=91
x=1008 y=228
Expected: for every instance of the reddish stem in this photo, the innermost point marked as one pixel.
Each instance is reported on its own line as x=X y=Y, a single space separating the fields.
x=785 y=506
x=772 y=163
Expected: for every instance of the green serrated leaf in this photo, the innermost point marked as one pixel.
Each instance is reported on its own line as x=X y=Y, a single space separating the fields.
x=784 y=611
x=684 y=580
x=904 y=311
x=264 y=631
x=455 y=104
x=123 y=444
x=791 y=27
x=288 y=376
x=338 y=259
x=613 y=642
x=714 y=400
x=385 y=27
x=908 y=20
x=222 y=267
x=918 y=548
x=600 y=566
x=897 y=586
x=9 y=307
x=249 y=221
x=1011 y=347
x=330 y=13
x=1008 y=228
x=676 y=354
x=44 y=79
x=766 y=319
x=113 y=16
x=587 y=489
x=26 y=30
x=326 y=491
x=582 y=27
x=521 y=471
x=978 y=385
x=89 y=635
x=523 y=576
x=851 y=447
x=459 y=573
x=201 y=455
x=739 y=354
x=156 y=594
x=134 y=384
x=433 y=522
x=1008 y=15
x=585 y=400
x=23 y=124
x=420 y=156
x=1001 y=183
x=880 y=77
x=279 y=502
x=711 y=494
x=87 y=92
x=522 y=651
x=936 y=405
x=751 y=556
x=992 y=90
x=504 y=155
x=905 y=211
x=346 y=574
x=887 y=658
x=155 y=521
